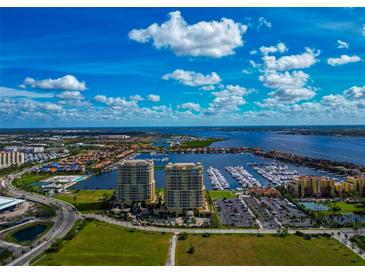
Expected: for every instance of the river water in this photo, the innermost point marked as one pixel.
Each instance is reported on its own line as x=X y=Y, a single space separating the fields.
x=346 y=149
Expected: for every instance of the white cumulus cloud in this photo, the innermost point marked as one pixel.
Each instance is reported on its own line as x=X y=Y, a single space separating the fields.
x=288 y=87
x=210 y=39
x=299 y=61
x=192 y=78
x=67 y=82
x=343 y=59
x=280 y=47
x=227 y=100
x=190 y=106
x=153 y=98
x=115 y=101
x=355 y=92
x=136 y=97
x=70 y=95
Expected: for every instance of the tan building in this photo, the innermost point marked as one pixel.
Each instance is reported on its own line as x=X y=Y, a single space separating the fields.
x=184 y=187
x=305 y=186
x=136 y=182
x=358 y=183
x=8 y=159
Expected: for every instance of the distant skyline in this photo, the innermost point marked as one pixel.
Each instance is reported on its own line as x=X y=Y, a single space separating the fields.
x=121 y=67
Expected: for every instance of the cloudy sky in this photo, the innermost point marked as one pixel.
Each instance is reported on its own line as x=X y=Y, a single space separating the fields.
x=181 y=66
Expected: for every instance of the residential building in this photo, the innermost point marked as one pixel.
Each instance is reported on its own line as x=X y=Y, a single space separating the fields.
x=8 y=159
x=320 y=186
x=358 y=183
x=136 y=182
x=25 y=149
x=184 y=187
x=304 y=186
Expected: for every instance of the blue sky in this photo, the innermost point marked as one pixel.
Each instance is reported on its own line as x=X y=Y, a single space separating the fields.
x=181 y=66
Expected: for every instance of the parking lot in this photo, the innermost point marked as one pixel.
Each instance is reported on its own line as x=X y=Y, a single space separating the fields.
x=264 y=217
x=286 y=213
x=234 y=212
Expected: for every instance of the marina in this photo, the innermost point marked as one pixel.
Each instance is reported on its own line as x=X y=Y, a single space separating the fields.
x=275 y=173
x=107 y=180
x=243 y=176
x=217 y=179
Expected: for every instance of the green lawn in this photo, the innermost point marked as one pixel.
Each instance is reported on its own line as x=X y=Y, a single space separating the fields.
x=27 y=180
x=200 y=143
x=345 y=207
x=220 y=194
x=87 y=200
x=99 y=243
x=267 y=250
x=10 y=236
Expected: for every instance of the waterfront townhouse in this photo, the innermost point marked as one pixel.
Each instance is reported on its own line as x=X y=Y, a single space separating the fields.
x=135 y=182
x=184 y=189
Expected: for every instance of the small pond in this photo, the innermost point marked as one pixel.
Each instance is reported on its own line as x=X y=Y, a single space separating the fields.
x=29 y=234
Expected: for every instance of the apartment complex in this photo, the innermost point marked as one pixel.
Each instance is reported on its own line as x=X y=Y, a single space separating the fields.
x=28 y=149
x=304 y=186
x=8 y=159
x=136 y=182
x=354 y=184
x=184 y=187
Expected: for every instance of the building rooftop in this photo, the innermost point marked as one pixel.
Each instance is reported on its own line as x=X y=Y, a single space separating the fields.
x=183 y=165
x=6 y=202
x=136 y=162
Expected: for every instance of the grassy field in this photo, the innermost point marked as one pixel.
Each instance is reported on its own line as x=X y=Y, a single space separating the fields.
x=99 y=243
x=9 y=236
x=201 y=143
x=266 y=250
x=87 y=200
x=345 y=207
x=26 y=181
x=220 y=194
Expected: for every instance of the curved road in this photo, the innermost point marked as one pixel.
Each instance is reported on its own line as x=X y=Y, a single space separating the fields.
x=64 y=220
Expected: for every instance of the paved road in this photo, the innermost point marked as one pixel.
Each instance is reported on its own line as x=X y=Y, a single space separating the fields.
x=172 y=250
x=219 y=231
x=63 y=222
x=341 y=237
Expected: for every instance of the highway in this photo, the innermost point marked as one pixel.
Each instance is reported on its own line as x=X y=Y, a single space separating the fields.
x=65 y=217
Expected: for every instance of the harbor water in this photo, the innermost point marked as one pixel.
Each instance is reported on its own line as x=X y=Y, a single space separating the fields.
x=219 y=161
